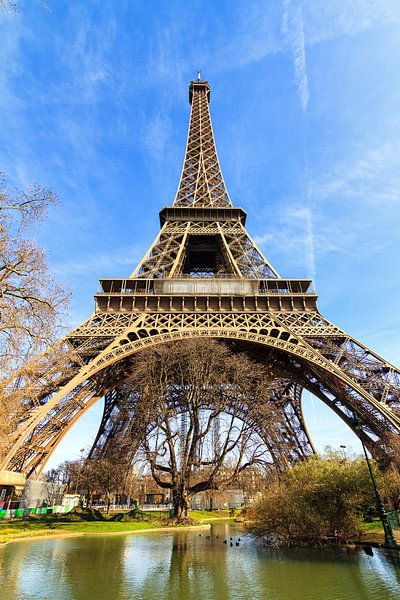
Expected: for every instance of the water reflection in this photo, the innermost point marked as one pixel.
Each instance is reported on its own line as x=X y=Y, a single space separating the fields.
x=191 y=564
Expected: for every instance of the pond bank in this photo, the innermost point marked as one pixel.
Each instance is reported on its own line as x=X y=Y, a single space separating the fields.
x=45 y=534
x=33 y=529
x=53 y=527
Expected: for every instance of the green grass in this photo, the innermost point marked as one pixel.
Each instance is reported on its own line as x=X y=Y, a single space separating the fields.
x=204 y=515
x=28 y=528
x=372 y=532
x=102 y=526
x=36 y=526
x=375 y=525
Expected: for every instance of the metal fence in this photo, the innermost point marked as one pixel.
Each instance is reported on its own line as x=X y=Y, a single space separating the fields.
x=13 y=513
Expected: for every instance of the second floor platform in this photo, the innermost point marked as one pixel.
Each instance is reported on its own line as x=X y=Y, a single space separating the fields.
x=205 y=294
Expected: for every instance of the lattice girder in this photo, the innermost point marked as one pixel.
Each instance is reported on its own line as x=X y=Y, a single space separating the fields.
x=166 y=257
x=268 y=330
x=201 y=182
x=286 y=438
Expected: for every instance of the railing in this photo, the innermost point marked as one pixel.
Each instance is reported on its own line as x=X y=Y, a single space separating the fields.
x=188 y=284
x=142 y=507
x=156 y=507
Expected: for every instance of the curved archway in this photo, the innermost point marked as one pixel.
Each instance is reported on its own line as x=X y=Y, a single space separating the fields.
x=326 y=380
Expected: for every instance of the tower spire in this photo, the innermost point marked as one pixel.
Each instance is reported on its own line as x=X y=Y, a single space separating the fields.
x=201 y=183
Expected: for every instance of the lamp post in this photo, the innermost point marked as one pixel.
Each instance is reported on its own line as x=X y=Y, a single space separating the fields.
x=389 y=537
x=82 y=450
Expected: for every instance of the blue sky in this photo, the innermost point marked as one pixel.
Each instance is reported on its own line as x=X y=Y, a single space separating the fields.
x=305 y=104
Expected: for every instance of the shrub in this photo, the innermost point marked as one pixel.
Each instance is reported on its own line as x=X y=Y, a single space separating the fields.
x=317 y=501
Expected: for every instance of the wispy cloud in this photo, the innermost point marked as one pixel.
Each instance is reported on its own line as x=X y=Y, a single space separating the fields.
x=331 y=20
x=11 y=31
x=103 y=263
x=256 y=35
x=302 y=218
x=293 y=237
x=373 y=175
x=293 y=30
x=304 y=23
x=87 y=56
x=155 y=134
x=323 y=426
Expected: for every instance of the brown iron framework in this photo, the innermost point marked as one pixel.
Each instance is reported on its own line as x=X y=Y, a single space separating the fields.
x=204 y=276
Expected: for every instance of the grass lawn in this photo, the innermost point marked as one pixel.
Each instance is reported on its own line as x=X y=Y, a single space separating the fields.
x=375 y=525
x=67 y=524
x=27 y=528
x=205 y=515
x=373 y=532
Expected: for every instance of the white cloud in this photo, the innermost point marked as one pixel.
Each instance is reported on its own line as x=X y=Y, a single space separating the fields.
x=156 y=133
x=86 y=57
x=263 y=240
x=373 y=175
x=102 y=262
x=293 y=238
x=255 y=36
x=304 y=23
x=293 y=30
x=330 y=20
x=301 y=219
x=11 y=32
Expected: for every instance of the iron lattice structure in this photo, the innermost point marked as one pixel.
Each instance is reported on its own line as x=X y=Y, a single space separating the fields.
x=204 y=276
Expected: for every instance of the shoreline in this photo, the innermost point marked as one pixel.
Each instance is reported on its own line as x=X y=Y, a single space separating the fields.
x=33 y=538
x=374 y=543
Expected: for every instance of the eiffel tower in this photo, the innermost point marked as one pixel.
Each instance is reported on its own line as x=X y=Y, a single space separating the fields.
x=204 y=276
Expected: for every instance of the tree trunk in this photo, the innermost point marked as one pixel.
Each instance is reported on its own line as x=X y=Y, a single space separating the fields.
x=180 y=499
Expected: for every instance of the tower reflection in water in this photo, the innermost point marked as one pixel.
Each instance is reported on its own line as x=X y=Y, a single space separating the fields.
x=190 y=564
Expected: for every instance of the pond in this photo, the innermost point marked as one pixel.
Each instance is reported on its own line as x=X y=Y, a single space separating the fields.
x=191 y=564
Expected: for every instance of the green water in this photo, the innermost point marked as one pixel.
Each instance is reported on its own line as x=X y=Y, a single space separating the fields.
x=184 y=564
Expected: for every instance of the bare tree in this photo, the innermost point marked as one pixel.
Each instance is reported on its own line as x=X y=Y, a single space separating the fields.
x=131 y=485
x=105 y=477
x=30 y=298
x=67 y=473
x=8 y=6
x=31 y=301
x=196 y=407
